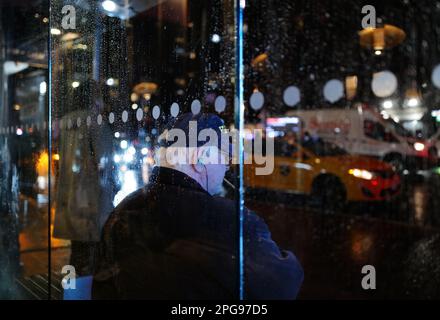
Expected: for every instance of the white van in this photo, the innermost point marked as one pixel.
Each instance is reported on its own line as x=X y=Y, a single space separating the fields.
x=364 y=131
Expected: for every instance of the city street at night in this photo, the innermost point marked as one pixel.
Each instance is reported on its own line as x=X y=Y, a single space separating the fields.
x=220 y=150
x=402 y=245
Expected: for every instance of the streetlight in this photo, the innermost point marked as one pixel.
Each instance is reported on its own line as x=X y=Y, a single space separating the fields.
x=382 y=38
x=413 y=102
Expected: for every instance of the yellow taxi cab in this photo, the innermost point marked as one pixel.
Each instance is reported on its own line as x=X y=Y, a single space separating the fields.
x=324 y=170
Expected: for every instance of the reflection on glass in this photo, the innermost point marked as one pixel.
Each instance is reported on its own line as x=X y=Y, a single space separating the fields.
x=24 y=155
x=117 y=81
x=351 y=109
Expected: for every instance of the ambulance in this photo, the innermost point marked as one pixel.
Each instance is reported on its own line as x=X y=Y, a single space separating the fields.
x=364 y=131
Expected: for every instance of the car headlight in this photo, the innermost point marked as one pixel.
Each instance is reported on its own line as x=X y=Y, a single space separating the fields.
x=418 y=146
x=361 y=174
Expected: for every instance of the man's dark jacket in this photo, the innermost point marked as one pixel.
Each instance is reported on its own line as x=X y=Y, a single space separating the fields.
x=173 y=240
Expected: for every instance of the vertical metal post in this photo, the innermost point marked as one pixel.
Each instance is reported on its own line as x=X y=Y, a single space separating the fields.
x=239 y=125
x=49 y=147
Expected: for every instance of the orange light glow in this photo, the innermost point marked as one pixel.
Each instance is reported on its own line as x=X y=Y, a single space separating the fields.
x=42 y=166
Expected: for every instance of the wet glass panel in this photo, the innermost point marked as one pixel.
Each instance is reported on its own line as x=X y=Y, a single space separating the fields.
x=24 y=160
x=353 y=89
x=136 y=223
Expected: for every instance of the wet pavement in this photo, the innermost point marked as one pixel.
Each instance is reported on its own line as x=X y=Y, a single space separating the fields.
x=401 y=240
x=333 y=249
x=33 y=238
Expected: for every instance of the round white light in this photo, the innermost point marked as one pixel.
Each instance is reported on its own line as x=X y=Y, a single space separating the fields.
x=196 y=106
x=384 y=84
x=435 y=77
x=215 y=38
x=128 y=157
x=144 y=151
x=132 y=150
x=109 y=5
x=333 y=90
x=385 y=115
x=117 y=135
x=116 y=158
x=55 y=32
x=413 y=102
x=388 y=104
x=156 y=112
x=362 y=174
x=174 y=109
x=291 y=96
x=220 y=104
x=139 y=114
x=43 y=87
x=110 y=81
x=418 y=146
x=124 y=144
x=124 y=116
x=257 y=100
x=75 y=84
